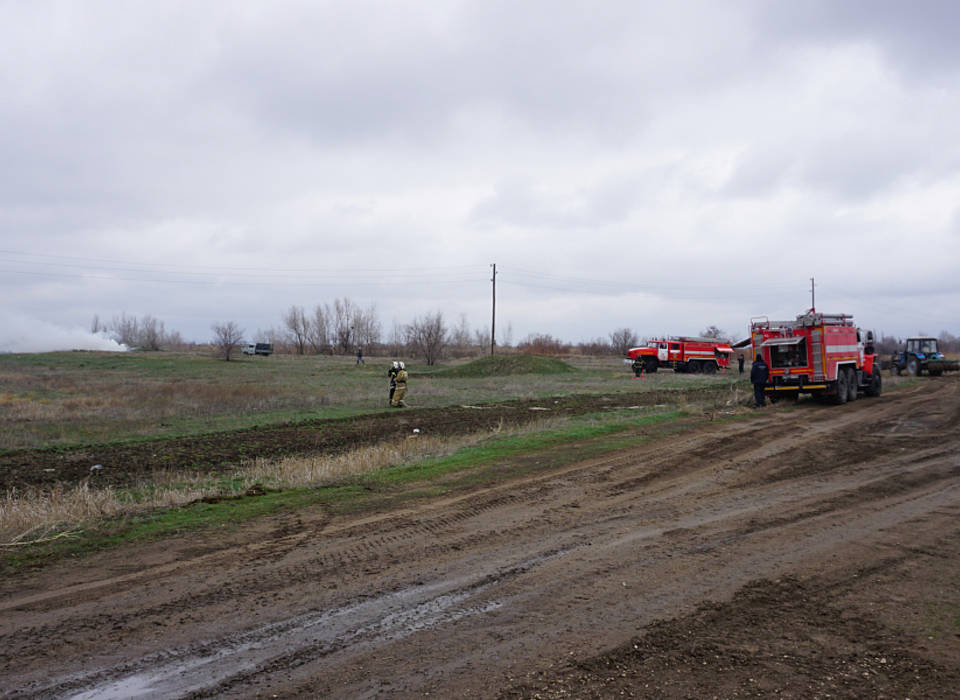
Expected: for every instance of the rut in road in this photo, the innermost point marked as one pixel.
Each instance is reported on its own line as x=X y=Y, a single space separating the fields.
x=475 y=588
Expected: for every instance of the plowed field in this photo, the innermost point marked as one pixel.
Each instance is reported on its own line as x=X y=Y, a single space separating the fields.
x=803 y=552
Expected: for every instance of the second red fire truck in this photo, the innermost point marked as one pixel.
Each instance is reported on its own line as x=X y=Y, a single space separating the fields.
x=681 y=355
x=820 y=354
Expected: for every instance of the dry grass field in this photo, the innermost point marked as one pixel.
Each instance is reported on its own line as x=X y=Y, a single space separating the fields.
x=69 y=398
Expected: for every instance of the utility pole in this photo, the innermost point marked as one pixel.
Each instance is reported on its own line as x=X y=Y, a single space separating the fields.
x=493 y=318
x=813 y=298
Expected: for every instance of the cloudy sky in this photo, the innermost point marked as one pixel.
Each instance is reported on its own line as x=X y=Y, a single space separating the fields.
x=657 y=166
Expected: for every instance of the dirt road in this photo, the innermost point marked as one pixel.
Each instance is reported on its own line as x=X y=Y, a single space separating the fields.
x=806 y=551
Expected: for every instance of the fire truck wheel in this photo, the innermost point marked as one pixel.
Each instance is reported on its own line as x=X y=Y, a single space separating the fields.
x=693 y=367
x=852 y=384
x=651 y=366
x=841 y=396
x=710 y=367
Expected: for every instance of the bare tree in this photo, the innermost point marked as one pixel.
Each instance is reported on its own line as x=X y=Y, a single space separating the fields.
x=318 y=332
x=266 y=336
x=713 y=332
x=949 y=342
x=427 y=336
x=295 y=323
x=151 y=333
x=342 y=324
x=481 y=338
x=366 y=326
x=622 y=340
x=96 y=326
x=125 y=330
x=542 y=344
x=226 y=336
x=397 y=343
x=172 y=339
x=460 y=336
x=597 y=346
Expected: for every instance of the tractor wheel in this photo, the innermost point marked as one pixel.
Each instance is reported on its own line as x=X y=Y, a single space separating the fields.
x=852 y=385
x=876 y=383
x=841 y=395
x=913 y=367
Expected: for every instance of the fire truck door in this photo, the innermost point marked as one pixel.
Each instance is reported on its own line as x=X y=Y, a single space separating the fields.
x=662 y=352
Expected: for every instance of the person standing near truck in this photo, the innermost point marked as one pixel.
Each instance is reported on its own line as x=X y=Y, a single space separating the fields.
x=759 y=374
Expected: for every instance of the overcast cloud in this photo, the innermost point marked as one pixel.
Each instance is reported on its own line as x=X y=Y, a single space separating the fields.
x=658 y=166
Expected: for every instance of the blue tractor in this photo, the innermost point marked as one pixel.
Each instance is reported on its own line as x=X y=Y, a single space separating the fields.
x=921 y=355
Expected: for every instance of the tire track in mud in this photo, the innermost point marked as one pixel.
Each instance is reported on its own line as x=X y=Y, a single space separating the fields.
x=668 y=511
x=404 y=528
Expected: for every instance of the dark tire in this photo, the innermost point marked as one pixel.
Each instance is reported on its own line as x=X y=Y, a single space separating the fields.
x=651 y=366
x=876 y=383
x=840 y=397
x=852 y=385
x=693 y=367
x=913 y=367
x=709 y=367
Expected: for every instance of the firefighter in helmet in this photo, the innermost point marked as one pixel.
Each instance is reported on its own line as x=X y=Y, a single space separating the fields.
x=401 y=389
x=392 y=373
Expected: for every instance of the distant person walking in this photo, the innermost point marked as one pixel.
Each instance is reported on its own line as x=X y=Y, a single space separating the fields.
x=759 y=374
x=740 y=362
x=360 y=356
x=401 y=390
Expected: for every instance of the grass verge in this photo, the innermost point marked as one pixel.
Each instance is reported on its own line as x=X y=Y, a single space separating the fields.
x=350 y=483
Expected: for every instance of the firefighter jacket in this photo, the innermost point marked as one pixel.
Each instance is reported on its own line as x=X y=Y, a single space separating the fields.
x=759 y=373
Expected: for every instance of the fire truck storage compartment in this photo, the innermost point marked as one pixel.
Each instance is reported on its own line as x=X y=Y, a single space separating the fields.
x=787 y=352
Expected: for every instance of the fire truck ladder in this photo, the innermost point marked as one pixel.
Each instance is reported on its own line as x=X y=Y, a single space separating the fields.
x=816 y=348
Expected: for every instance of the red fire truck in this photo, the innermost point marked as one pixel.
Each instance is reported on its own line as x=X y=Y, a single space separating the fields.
x=681 y=355
x=820 y=354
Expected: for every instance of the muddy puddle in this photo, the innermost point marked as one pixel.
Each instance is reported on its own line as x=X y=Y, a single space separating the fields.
x=202 y=668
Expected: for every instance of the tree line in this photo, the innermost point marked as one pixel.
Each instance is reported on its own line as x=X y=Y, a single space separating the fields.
x=343 y=327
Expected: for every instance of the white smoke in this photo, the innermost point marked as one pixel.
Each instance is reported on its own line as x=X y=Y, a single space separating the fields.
x=21 y=334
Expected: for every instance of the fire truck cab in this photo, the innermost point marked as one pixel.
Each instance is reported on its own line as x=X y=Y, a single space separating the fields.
x=820 y=354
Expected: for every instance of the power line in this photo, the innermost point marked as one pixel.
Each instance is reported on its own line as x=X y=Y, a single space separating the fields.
x=247 y=283
x=106 y=262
